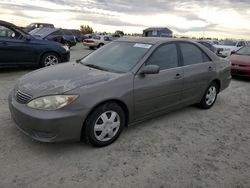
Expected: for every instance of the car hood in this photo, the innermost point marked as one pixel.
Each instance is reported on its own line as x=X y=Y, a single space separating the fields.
x=62 y=78
x=240 y=59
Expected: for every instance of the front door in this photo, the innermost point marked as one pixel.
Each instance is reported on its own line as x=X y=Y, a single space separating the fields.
x=153 y=93
x=14 y=48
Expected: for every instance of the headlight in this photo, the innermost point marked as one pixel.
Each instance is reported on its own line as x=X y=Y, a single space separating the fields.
x=66 y=47
x=53 y=102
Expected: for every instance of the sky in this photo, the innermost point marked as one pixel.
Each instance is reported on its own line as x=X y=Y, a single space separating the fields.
x=193 y=18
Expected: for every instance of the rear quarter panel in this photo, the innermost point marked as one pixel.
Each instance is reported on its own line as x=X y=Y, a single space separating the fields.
x=223 y=67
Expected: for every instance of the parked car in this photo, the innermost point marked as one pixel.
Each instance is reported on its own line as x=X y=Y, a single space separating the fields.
x=241 y=62
x=59 y=35
x=33 y=26
x=97 y=41
x=209 y=46
x=126 y=81
x=78 y=35
x=229 y=46
x=20 y=48
x=116 y=36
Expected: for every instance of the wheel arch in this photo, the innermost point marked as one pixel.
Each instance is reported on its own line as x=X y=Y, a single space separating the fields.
x=218 y=82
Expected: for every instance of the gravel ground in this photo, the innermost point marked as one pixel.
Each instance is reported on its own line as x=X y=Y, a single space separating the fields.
x=186 y=148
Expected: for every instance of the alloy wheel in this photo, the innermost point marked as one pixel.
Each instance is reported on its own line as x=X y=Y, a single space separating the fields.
x=50 y=60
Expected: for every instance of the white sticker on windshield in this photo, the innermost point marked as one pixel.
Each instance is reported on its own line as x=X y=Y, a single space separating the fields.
x=140 y=45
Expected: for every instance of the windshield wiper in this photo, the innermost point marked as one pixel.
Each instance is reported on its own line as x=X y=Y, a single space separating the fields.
x=95 y=66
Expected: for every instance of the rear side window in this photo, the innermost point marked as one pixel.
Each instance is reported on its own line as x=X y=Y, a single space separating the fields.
x=165 y=57
x=192 y=54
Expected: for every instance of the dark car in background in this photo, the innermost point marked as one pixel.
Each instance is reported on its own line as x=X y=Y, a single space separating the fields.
x=241 y=62
x=78 y=35
x=18 y=47
x=59 y=35
x=33 y=26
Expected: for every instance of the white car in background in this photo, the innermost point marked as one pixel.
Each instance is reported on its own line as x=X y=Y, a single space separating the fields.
x=226 y=47
x=97 y=41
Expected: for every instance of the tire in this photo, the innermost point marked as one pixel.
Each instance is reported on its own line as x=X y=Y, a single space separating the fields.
x=104 y=125
x=50 y=59
x=100 y=45
x=210 y=96
x=91 y=48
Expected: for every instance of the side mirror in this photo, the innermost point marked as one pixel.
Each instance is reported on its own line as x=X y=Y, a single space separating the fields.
x=233 y=52
x=27 y=37
x=150 y=69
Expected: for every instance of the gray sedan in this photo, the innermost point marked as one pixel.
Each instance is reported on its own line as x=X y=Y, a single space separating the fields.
x=126 y=81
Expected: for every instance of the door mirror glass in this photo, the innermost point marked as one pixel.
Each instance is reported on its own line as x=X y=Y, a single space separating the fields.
x=150 y=69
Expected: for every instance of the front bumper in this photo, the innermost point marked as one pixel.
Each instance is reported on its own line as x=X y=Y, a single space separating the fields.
x=240 y=71
x=47 y=126
x=65 y=57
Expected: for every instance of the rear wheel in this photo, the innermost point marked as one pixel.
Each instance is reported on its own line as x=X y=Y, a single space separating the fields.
x=104 y=125
x=100 y=45
x=50 y=59
x=210 y=96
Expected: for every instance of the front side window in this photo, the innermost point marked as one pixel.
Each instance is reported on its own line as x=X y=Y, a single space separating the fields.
x=9 y=33
x=192 y=54
x=165 y=57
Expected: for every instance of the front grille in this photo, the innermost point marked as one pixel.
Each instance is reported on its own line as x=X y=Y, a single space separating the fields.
x=22 y=97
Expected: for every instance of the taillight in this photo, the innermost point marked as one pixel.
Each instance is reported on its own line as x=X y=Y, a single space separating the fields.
x=88 y=41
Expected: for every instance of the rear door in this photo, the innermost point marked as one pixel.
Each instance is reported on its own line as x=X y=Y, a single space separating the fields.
x=199 y=71
x=153 y=93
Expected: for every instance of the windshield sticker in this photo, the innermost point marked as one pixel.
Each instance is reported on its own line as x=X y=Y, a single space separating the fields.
x=139 y=45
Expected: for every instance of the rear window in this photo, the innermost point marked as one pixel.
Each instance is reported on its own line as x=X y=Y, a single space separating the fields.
x=97 y=37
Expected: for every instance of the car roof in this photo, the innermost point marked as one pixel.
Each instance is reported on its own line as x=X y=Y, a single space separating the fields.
x=151 y=40
x=41 y=23
x=4 y=23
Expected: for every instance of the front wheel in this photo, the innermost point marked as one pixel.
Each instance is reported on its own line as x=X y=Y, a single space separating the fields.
x=104 y=125
x=210 y=96
x=50 y=59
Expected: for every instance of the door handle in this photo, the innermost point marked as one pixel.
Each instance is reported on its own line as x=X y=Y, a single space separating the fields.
x=178 y=76
x=210 y=68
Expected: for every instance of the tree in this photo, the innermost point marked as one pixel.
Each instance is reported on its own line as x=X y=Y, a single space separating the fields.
x=86 y=29
x=118 y=32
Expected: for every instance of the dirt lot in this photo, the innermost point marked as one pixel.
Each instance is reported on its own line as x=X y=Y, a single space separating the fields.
x=186 y=148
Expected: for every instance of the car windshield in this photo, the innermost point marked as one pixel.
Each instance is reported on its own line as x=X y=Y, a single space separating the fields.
x=228 y=43
x=244 y=51
x=117 y=56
